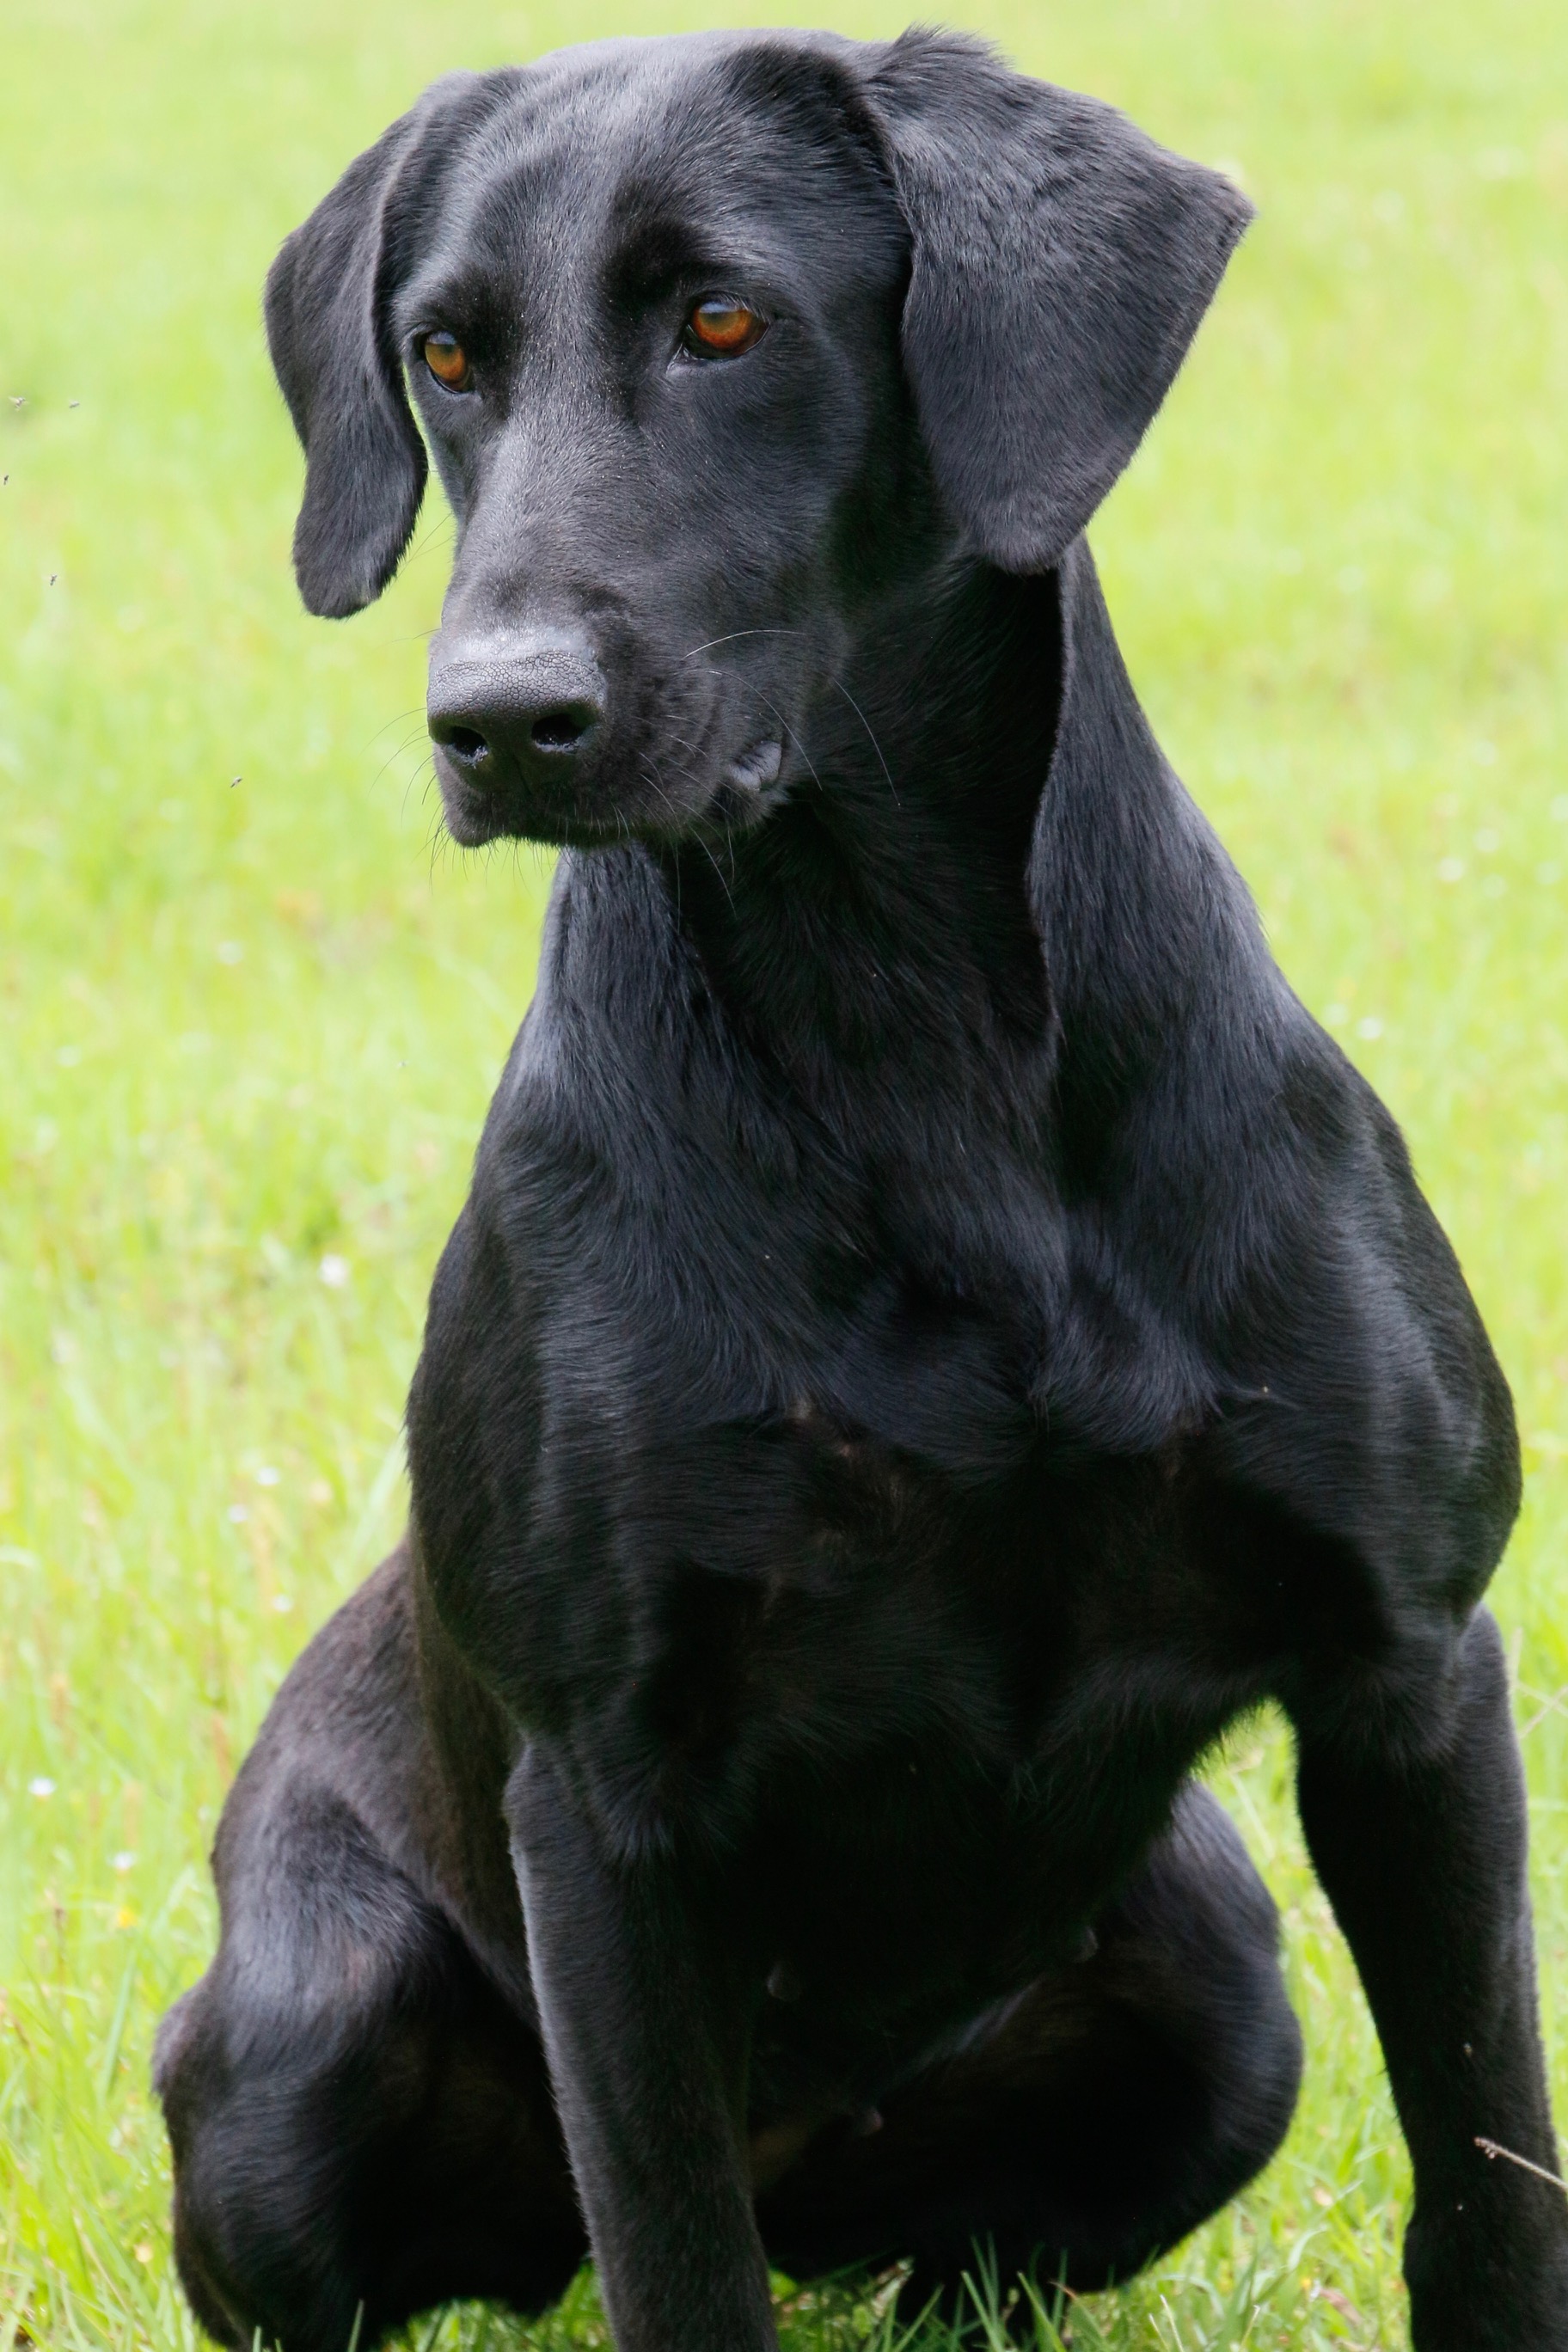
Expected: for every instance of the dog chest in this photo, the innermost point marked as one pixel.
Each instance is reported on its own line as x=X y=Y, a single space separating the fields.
x=720 y=1612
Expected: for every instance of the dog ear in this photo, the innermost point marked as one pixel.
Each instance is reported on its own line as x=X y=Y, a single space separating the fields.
x=330 y=335
x=1060 y=263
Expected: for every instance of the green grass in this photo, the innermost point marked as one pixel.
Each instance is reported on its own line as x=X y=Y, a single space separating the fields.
x=251 y=1027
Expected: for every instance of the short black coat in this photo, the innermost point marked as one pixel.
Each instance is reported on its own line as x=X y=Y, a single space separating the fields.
x=937 y=1330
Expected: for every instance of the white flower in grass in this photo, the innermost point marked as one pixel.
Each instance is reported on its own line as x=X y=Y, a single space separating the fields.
x=125 y=1862
x=334 y=1271
x=239 y=1512
x=267 y=1476
x=41 y=1786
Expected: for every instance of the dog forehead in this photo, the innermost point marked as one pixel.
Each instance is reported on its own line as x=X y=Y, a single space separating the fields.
x=727 y=138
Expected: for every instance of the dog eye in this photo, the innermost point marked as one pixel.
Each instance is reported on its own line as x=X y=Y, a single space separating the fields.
x=448 y=362
x=721 y=328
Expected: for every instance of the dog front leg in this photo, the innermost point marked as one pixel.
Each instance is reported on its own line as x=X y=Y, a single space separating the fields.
x=647 y=2031
x=1422 y=1857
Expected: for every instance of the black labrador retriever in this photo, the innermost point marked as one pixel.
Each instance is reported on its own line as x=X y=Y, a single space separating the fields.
x=936 y=1333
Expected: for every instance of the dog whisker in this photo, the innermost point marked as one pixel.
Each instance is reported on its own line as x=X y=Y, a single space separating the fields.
x=734 y=637
x=398 y=719
x=397 y=753
x=795 y=739
x=876 y=747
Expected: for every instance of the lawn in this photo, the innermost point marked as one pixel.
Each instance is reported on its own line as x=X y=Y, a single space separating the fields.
x=253 y=1006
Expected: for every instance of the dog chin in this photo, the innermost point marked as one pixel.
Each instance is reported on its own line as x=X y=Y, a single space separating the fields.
x=475 y=816
x=740 y=795
x=469 y=820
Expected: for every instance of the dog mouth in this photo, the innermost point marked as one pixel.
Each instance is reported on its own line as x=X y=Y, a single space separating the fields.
x=666 y=802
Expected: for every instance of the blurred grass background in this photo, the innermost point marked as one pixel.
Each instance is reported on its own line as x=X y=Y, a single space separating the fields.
x=252 y=1009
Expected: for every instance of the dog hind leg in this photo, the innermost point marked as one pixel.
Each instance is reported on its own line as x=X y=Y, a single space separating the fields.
x=361 y=2127
x=1108 y=2110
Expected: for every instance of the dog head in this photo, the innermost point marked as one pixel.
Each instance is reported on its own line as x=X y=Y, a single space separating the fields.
x=716 y=342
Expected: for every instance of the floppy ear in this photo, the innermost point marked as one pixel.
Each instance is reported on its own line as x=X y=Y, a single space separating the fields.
x=1060 y=263
x=330 y=335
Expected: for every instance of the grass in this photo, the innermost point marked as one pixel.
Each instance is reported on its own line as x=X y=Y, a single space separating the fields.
x=252 y=1011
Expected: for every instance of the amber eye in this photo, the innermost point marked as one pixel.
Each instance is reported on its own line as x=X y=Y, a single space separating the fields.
x=721 y=328
x=448 y=362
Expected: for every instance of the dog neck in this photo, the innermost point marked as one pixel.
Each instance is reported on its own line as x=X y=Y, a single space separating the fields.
x=990 y=920
x=878 y=921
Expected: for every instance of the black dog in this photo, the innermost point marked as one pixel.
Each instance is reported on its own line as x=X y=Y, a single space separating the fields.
x=937 y=1331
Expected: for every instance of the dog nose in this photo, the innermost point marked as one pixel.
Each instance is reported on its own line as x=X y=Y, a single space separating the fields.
x=530 y=706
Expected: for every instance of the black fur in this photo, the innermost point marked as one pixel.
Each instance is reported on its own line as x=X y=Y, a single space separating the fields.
x=937 y=1331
